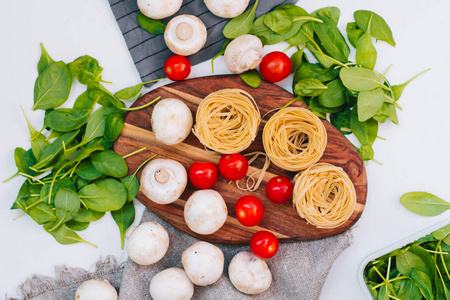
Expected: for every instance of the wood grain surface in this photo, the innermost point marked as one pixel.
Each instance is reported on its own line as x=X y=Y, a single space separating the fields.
x=282 y=219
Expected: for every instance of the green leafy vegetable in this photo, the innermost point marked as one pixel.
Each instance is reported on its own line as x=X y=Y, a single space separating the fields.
x=309 y=87
x=379 y=29
x=109 y=163
x=151 y=25
x=124 y=217
x=66 y=119
x=104 y=195
x=424 y=203
x=366 y=54
x=44 y=61
x=86 y=69
x=241 y=24
x=252 y=78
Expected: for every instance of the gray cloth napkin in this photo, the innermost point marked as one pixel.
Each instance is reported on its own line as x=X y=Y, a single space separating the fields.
x=298 y=269
x=149 y=52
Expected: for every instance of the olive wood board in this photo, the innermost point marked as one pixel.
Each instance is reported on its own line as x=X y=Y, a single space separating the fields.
x=280 y=219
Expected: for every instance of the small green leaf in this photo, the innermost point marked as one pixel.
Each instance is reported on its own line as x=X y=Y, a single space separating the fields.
x=109 y=163
x=353 y=33
x=379 y=28
x=132 y=185
x=279 y=21
x=309 y=87
x=66 y=119
x=24 y=160
x=104 y=195
x=360 y=79
x=151 y=25
x=65 y=236
x=241 y=24
x=124 y=217
x=366 y=54
x=252 y=78
x=86 y=69
x=366 y=132
x=369 y=103
x=397 y=90
x=113 y=127
x=87 y=215
x=44 y=61
x=424 y=203
x=335 y=95
x=331 y=39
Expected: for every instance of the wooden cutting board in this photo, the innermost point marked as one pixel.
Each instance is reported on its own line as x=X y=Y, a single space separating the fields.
x=282 y=219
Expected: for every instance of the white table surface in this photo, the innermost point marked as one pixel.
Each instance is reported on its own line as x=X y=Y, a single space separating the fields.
x=415 y=155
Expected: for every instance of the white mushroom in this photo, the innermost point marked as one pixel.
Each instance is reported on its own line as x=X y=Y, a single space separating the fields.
x=147 y=243
x=96 y=289
x=170 y=284
x=205 y=212
x=163 y=180
x=227 y=8
x=159 y=9
x=203 y=263
x=171 y=121
x=185 y=35
x=243 y=53
x=249 y=274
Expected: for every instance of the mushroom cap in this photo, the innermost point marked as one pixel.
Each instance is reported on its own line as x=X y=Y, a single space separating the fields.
x=163 y=180
x=171 y=283
x=243 y=53
x=205 y=211
x=171 y=121
x=203 y=263
x=249 y=274
x=96 y=289
x=159 y=9
x=185 y=35
x=227 y=8
x=147 y=243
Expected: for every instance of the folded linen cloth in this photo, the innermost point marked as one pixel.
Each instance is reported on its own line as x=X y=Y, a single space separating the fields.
x=149 y=52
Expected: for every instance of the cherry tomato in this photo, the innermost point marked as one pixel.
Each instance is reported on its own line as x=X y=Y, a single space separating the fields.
x=275 y=66
x=203 y=175
x=264 y=244
x=279 y=189
x=177 y=67
x=249 y=210
x=233 y=166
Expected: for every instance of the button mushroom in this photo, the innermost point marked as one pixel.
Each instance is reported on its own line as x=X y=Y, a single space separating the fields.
x=203 y=263
x=171 y=283
x=147 y=243
x=159 y=9
x=205 y=212
x=243 y=54
x=171 y=121
x=227 y=8
x=185 y=35
x=163 y=180
x=249 y=274
x=99 y=289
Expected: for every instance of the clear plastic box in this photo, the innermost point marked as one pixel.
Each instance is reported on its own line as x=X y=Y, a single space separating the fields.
x=392 y=247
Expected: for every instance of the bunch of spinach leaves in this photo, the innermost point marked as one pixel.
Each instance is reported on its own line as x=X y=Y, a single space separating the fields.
x=72 y=175
x=352 y=95
x=419 y=270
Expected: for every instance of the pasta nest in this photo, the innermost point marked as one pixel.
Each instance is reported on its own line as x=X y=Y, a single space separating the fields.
x=324 y=195
x=294 y=138
x=227 y=121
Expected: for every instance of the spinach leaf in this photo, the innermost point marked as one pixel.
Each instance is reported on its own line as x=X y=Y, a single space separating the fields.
x=341 y=120
x=360 y=79
x=407 y=290
x=113 y=126
x=379 y=29
x=85 y=101
x=132 y=185
x=366 y=54
x=67 y=204
x=52 y=87
x=424 y=203
x=124 y=218
x=366 y=132
x=20 y=202
x=87 y=215
x=54 y=149
x=397 y=90
x=441 y=233
x=66 y=119
x=101 y=95
x=309 y=87
x=331 y=12
x=86 y=69
x=132 y=93
x=316 y=71
x=151 y=25
x=42 y=213
x=241 y=24
x=44 y=61
x=353 y=33
x=38 y=140
x=65 y=236
x=423 y=282
x=331 y=39
x=87 y=171
x=279 y=21
x=297 y=60
x=335 y=95
x=369 y=103
x=24 y=160
x=109 y=163
x=104 y=195
x=96 y=123
x=252 y=78
x=77 y=226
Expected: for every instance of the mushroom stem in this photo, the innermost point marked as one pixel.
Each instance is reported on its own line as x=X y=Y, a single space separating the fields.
x=162 y=176
x=184 y=31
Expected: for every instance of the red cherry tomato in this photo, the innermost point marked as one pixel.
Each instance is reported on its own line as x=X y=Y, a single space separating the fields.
x=177 y=67
x=264 y=244
x=275 y=66
x=249 y=210
x=279 y=189
x=233 y=166
x=203 y=175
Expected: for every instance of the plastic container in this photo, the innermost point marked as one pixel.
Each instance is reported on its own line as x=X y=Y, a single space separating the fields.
x=392 y=247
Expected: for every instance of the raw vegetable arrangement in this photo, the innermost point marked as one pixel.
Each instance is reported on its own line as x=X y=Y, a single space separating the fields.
x=418 y=270
x=72 y=175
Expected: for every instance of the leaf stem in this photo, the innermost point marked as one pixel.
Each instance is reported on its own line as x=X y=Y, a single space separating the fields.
x=141 y=107
x=19 y=215
x=6 y=180
x=134 y=152
x=31 y=177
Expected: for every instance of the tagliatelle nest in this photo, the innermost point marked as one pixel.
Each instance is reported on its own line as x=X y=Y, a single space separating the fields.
x=324 y=195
